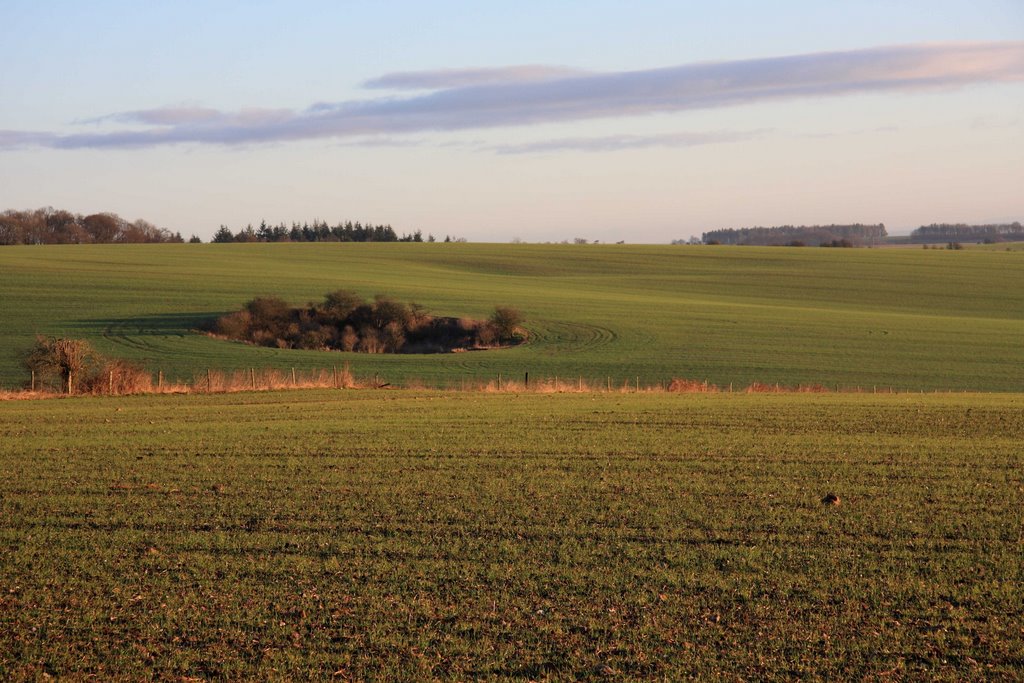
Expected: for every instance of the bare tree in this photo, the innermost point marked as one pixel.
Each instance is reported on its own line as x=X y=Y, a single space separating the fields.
x=68 y=363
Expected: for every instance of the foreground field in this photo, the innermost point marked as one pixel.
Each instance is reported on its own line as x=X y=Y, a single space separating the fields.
x=419 y=535
x=908 y=319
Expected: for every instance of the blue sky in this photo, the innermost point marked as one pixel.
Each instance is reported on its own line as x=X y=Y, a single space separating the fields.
x=642 y=122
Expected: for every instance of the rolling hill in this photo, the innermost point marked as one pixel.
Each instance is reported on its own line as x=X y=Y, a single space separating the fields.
x=907 y=319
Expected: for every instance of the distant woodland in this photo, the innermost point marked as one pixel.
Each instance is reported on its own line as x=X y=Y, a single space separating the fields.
x=56 y=226
x=960 y=232
x=798 y=236
x=320 y=231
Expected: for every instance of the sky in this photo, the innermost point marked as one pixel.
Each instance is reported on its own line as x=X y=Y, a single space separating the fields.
x=644 y=122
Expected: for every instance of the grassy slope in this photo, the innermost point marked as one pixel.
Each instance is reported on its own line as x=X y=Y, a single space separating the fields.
x=902 y=318
x=404 y=535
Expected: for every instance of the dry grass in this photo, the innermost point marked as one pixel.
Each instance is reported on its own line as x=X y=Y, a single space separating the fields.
x=121 y=379
x=692 y=386
x=215 y=381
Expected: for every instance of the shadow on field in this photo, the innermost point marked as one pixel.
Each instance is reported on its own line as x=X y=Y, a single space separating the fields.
x=163 y=324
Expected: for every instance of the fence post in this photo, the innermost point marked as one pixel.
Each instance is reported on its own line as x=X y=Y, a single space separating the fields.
x=160 y=379
x=110 y=383
x=252 y=377
x=33 y=380
x=609 y=384
x=209 y=380
x=581 y=383
x=293 y=377
x=526 y=380
x=638 y=384
x=499 y=381
x=69 y=382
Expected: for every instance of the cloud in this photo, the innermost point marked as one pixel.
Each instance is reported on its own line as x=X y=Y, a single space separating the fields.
x=522 y=96
x=614 y=143
x=460 y=78
x=163 y=116
x=19 y=139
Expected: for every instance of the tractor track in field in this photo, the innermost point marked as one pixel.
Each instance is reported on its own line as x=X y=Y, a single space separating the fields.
x=548 y=338
x=132 y=336
x=563 y=336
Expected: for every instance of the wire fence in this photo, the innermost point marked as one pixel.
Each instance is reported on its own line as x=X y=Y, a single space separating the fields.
x=130 y=380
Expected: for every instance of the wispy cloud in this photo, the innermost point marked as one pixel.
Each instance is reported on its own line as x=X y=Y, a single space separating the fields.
x=164 y=116
x=18 y=139
x=461 y=78
x=614 y=143
x=520 y=96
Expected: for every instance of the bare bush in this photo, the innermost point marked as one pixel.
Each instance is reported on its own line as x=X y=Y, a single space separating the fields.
x=505 y=320
x=340 y=303
x=349 y=339
x=692 y=386
x=62 y=364
x=118 y=377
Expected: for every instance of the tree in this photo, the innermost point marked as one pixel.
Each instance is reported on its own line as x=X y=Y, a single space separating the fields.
x=12 y=229
x=69 y=363
x=387 y=310
x=63 y=228
x=223 y=235
x=340 y=303
x=504 y=321
x=104 y=228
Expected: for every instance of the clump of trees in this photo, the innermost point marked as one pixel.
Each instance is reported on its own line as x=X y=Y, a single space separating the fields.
x=320 y=231
x=961 y=232
x=856 y=234
x=57 y=226
x=72 y=366
x=344 y=321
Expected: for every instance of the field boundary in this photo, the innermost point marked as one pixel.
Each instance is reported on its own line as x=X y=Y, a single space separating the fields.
x=342 y=378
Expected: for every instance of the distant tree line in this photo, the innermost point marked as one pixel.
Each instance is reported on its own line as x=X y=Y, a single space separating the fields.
x=57 y=226
x=960 y=232
x=320 y=231
x=856 y=234
x=344 y=321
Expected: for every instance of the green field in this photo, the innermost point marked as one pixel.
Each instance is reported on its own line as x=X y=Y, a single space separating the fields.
x=416 y=535
x=903 y=318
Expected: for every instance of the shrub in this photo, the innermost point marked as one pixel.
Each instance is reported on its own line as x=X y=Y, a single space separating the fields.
x=393 y=336
x=234 y=325
x=505 y=320
x=268 y=310
x=349 y=339
x=387 y=311
x=345 y=322
x=487 y=335
x=369 y=340
x=55 y=360
x=340 y=303
x=692 y=386
x=116 y=376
